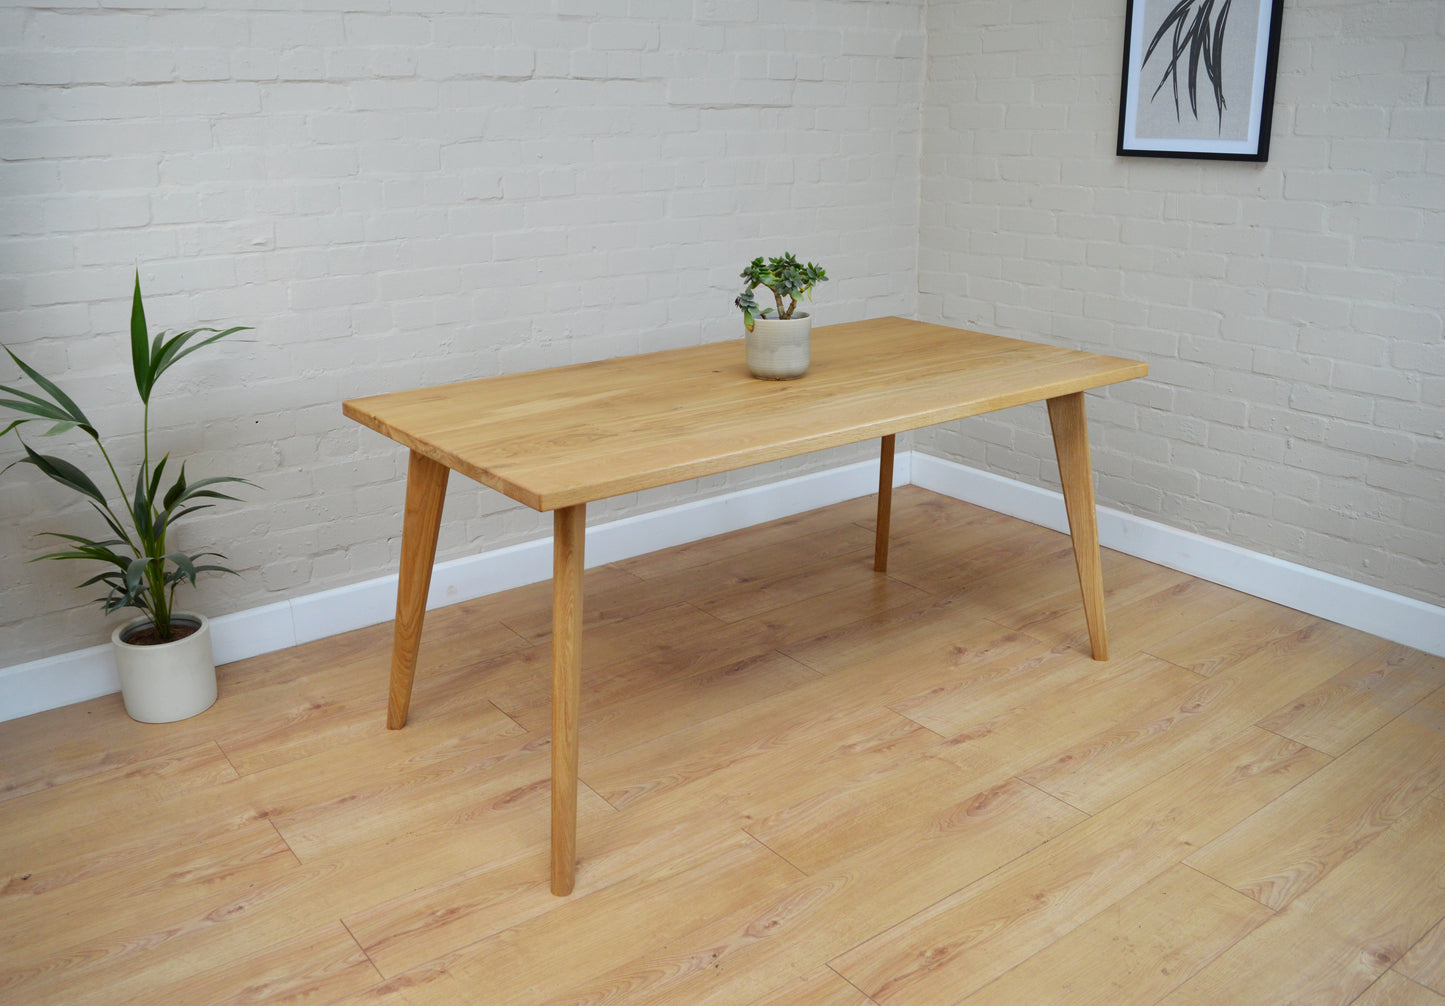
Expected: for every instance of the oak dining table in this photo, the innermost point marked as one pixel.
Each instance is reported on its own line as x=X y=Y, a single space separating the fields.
x=558 y=439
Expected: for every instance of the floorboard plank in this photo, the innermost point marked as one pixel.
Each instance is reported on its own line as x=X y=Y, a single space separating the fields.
x=970 y=938
x=789 y=762
x=1425 y=961
x=1391 y=989
x=1142 y=742
x=1359 y=700
x=316 y=966
x=1336 y=939
x=1224 y=639
x=1298 y=840
x=1147 y=619
x=822 y=987
x=1134 y=951
x=795 y=929
x=580 y=937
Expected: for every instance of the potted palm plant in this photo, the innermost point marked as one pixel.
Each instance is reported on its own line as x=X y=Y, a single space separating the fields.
x=164 y=657
x=779 y=339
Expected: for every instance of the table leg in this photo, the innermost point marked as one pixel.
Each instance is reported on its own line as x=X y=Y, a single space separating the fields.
x=569 y=527
x=426 y=489
x=1071 y=445
x=885 y=505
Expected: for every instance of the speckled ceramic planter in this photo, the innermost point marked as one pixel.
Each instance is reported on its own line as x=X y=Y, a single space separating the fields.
x=778 y=348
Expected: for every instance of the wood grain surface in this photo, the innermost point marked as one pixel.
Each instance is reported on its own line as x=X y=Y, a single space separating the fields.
x=888 y=792
x=567 y=435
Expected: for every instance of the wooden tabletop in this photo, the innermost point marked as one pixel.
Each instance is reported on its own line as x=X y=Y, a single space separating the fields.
x=555 y=438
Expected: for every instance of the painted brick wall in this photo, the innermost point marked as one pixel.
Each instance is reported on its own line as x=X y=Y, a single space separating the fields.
x=399 y=193
x=1291 y=312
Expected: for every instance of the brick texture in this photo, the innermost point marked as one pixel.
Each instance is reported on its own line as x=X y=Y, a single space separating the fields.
x=403 y=193
x=1291 y=312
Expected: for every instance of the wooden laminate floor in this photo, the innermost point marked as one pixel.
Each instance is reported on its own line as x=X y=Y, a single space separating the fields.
x=804 y=784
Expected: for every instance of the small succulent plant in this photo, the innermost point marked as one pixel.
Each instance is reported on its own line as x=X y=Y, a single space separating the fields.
x=786 y=277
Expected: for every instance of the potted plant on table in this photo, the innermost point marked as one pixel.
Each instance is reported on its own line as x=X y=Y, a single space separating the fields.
x=779 y=340
x=164 y=658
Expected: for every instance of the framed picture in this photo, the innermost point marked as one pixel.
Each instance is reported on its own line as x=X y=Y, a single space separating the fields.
x=1199 y=78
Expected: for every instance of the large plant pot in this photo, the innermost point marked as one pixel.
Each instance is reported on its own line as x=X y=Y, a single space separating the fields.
x=779 y=349
x=166 y=682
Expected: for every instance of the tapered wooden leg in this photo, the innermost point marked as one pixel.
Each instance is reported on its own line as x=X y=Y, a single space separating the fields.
x=426 y=489
x=1071 y=445
x=568 y=533
x=885 y=505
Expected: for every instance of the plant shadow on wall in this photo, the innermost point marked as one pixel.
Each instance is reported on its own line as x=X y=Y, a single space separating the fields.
x=1197 y=41
x=143 y=570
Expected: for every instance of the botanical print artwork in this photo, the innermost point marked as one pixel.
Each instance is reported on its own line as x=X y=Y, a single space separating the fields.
x=1198 y=78
x=1199 y=67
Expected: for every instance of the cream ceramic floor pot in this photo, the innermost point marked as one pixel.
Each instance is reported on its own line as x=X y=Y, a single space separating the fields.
x=166 y=682
x=779 y=348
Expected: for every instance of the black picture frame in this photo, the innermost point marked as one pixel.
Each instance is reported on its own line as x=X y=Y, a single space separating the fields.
x=1215 y=97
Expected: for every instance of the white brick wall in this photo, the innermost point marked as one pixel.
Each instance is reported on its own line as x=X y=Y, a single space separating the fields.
x=1291 y=312
x=400 y=193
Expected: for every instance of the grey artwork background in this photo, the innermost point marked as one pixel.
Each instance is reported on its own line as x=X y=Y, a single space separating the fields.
x=1155 y=114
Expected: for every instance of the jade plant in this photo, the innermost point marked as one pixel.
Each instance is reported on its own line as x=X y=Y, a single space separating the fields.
x=144 y=569
x=786 y=277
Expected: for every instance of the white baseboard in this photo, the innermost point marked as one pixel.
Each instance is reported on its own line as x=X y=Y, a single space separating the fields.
x=1369 y=609
x=90 y=673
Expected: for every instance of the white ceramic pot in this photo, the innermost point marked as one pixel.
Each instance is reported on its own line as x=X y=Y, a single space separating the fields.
x=779 y=348
x=167 y=681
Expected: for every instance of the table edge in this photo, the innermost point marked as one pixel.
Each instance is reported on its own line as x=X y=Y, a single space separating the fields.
x=545 y=500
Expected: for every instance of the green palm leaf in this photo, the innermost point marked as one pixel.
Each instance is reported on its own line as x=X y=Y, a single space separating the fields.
x=68 y=410
x=174 y=350
x=141 y=512
x=139 y=571
x=140 y=354
x=62 y=471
